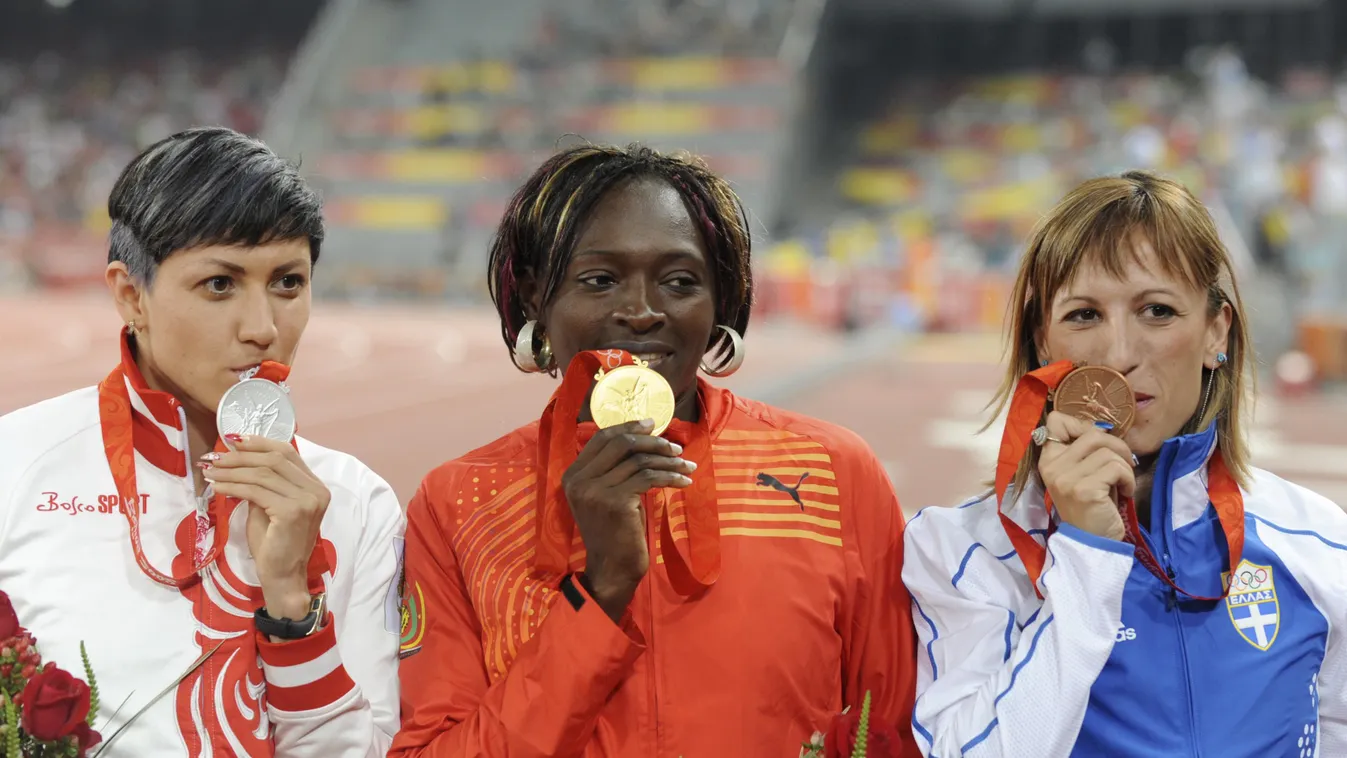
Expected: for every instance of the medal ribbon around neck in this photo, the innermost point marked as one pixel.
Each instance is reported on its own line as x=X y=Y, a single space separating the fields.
x=115 y=415
x=1026 y=413
x=694 y=563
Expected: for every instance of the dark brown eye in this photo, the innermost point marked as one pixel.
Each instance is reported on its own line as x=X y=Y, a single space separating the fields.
x=218 y=285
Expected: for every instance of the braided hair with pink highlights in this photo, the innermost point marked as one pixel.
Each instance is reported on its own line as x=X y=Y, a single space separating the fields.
x=542 y=224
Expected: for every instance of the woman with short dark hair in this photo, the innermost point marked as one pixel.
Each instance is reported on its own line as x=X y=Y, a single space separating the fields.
x=231 y=582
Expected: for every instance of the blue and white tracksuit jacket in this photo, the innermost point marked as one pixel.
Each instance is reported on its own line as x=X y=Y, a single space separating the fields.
x=1110 y=662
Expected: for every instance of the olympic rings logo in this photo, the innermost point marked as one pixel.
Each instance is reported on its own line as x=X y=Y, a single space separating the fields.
x=1250 y=578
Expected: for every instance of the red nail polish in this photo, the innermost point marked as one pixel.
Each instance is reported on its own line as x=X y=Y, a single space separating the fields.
x=234 y=437
x=203 y=465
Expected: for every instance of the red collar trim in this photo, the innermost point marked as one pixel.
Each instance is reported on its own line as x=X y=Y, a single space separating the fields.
x=156 y=426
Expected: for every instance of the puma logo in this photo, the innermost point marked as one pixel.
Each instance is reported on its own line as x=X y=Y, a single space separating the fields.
x=767 y=480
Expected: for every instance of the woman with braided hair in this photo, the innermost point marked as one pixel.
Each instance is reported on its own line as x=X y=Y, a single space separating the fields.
x=721 y=587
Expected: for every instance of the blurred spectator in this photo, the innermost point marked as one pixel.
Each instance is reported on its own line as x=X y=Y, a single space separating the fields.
x=67 y=127
x=85 y=86
x=625 y=28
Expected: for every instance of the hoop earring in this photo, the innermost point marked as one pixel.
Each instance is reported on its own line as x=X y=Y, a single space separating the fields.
x=526 y=357
x=727 y=364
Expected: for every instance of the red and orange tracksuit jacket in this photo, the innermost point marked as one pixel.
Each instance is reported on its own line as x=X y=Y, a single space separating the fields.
x=808 y=611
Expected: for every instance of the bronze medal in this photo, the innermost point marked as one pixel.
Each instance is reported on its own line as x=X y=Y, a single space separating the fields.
x=1097 y=393
x=632 y=393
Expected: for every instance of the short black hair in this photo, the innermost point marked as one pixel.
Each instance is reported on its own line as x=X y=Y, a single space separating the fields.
x=208 y=186
x=542 y=224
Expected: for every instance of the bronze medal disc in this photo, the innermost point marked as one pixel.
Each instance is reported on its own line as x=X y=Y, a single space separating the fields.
x=632 y=393
x=1097 y=393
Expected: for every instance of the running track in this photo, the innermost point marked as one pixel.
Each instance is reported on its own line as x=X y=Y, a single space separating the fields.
x=406 y=388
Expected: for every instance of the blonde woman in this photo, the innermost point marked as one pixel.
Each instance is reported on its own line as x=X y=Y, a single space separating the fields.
x=1148 y=593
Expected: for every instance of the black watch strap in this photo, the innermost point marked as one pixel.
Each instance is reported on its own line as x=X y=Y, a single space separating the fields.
x=572 y=594
x=291 y=629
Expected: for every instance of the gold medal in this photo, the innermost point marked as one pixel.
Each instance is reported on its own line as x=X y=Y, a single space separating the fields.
x=632 y=393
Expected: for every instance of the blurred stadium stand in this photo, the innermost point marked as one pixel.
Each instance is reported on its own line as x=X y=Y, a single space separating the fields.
x=939 y=133
x=425 y=138
x=893 y=155
x=84 y=87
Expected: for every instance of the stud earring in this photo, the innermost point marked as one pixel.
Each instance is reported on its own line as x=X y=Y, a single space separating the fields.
x=1220 y=358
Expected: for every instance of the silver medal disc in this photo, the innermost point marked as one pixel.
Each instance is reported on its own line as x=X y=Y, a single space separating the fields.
x=256 y=407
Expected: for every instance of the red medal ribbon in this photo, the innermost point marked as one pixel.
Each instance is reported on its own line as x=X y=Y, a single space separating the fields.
x=1026 y=413
x=118 y=425
x=695 y=561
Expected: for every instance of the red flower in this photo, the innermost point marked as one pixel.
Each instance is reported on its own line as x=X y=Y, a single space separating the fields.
x=883 y=740
x=85 y=737
x=55 y=705
x=9 y=620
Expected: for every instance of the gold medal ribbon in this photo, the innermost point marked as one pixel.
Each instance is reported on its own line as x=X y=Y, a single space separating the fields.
x=694 y=563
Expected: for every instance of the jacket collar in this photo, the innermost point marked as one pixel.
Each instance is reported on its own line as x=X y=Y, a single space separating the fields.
x=1189 y=453
x=156 y=417
x=1180 y=485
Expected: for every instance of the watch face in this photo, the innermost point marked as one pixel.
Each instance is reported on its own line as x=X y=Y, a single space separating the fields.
x=317 y=611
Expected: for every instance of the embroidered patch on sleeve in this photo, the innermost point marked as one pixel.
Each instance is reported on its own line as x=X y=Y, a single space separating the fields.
x=413 y=619
x=1252 y=603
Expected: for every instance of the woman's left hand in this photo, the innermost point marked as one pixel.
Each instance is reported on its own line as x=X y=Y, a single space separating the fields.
x=286 y=506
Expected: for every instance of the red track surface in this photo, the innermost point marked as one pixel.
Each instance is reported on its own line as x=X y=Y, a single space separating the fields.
x=406 y=388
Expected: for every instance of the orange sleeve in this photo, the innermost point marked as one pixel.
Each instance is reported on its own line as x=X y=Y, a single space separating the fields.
x=549 y=702
x=879 y=642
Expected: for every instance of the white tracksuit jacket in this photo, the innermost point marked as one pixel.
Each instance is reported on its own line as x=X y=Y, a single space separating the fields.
x=1110 y=662
x=67 y=563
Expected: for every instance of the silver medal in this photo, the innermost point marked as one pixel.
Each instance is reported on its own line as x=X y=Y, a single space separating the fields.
x=256 y=407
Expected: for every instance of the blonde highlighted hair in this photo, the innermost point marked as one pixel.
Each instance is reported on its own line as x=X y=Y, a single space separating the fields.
x=1090 y=227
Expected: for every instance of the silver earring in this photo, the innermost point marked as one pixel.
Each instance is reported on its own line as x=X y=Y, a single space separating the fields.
x=131 y=325
x=727 y=364
x=526 y=357
x=1206 y=395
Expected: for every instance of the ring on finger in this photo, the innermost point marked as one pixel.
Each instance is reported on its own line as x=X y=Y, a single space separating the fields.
x=1040 y=435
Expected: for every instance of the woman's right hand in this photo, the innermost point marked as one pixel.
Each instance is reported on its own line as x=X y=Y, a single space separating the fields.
x=1081 y=472
x=604 y=488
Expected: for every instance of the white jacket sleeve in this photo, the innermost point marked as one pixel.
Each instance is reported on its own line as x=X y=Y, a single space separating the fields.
x=335 y=694
x=1331 y=689
x=998 y=675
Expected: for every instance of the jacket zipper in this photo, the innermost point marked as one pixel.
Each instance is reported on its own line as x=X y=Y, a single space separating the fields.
x=653 y=514
x=208 y=739
x=1172 y=603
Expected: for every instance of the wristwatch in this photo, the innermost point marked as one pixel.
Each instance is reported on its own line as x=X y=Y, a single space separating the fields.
x=290 y=629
